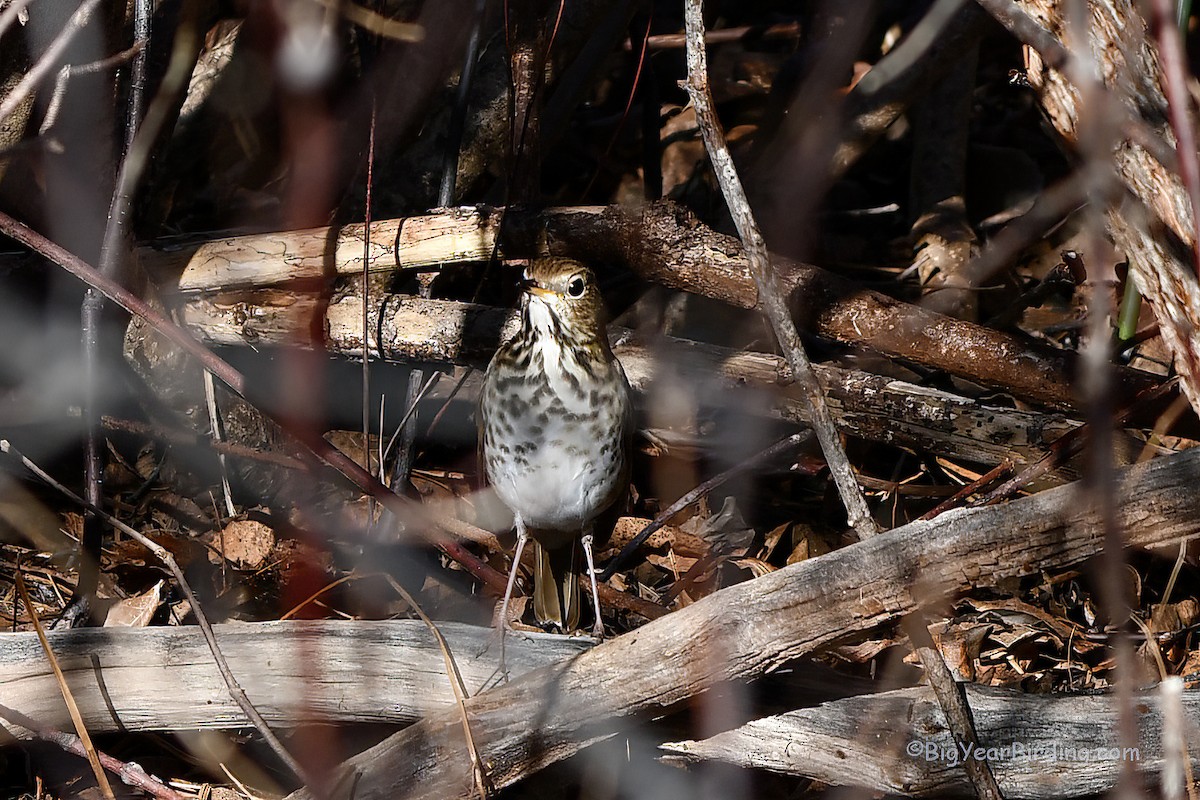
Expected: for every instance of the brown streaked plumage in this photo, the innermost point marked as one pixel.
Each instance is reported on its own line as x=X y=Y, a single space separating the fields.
x=555 y=424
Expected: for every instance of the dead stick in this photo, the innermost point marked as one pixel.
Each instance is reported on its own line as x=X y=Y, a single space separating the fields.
x=953 y=702
x=771 y=299
x=49 y=58
x=130 y=773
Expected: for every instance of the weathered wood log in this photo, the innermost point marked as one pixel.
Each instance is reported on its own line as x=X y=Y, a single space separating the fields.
x=1039 y=746
x=164 y=678
x=242 y=262
x=748 y=629
x=665 y=244
x=871 y=407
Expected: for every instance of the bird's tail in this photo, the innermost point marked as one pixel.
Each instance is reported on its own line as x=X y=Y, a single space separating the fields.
x=556 y=598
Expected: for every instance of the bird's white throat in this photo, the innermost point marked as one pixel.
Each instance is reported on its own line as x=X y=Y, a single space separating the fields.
x=562 y=370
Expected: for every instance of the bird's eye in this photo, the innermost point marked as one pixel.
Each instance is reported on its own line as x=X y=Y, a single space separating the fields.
x=575 y=287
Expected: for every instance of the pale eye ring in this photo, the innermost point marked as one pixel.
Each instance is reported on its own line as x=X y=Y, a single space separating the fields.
x=575 y=287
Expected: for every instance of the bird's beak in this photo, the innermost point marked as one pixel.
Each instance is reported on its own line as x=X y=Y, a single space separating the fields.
x=530 y=287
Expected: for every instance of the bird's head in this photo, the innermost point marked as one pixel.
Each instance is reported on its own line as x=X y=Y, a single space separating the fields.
x=561 y=298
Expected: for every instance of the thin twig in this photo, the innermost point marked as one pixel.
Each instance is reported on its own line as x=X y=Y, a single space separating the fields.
x=296 y=609
x=446 y=403
x=857 y=513
x=407 y=430
x=750 y=33
x=143 y=15
x=703 y=566
x=377 y=23
x=141 y=144
x=695 y=494
x=49 y=58
x=68 y=698
x=11 y=13
x=1176 y=568
x=409 y=412
x=217 y=433
x=366 y=311
x=953 y=702
x=67 y=72
x=458 y=114
x=457 y=685
x=115 y=250
x=130 y=772
x=235 y=690
x=997 y=472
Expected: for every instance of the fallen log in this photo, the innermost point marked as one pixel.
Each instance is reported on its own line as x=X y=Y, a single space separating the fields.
x=663 y=243
x=871 y=407
x=295 y=672
x=746 y=630
x=1039 y=746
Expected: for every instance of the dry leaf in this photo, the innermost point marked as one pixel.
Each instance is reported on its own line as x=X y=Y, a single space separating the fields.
x=675 y=564
x=772 y=539
x=245 y=542
x=135 y=611
x=677 y=539
x=1169 y=617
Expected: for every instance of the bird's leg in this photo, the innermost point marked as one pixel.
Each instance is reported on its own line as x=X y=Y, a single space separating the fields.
x=522 y=536
x=598 y=625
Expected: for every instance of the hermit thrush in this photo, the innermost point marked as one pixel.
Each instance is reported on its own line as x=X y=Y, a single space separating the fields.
x=555 y=426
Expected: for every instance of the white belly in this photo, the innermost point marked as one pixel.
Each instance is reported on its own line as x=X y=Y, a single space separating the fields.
x=557 y=486
x=550 y=455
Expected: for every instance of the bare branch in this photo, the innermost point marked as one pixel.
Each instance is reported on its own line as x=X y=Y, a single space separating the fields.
x=49 y=58
x=857 y=513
